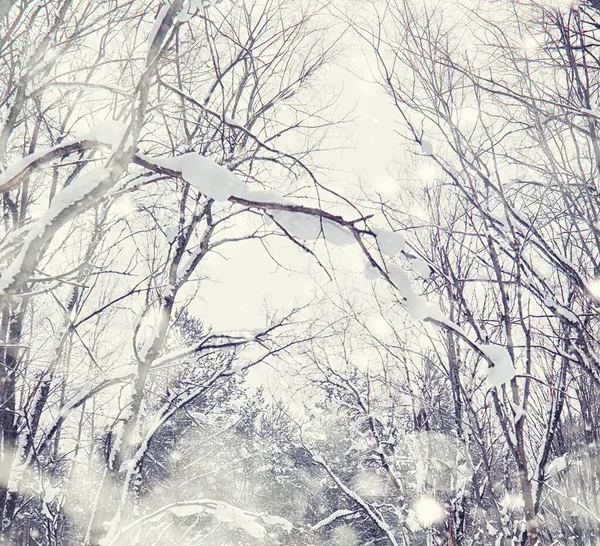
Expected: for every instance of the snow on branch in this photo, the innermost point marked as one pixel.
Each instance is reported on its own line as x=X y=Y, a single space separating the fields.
x=121 y=374
x=222 y=511
x=217 y=342
x=218 y=183
x=371 y=510
x=166 y=412
x=16 y=173
x=84 y=191
x=167 y=15
x=502 y=371
x=332 y=517
x=307 y=222
x=216 y=180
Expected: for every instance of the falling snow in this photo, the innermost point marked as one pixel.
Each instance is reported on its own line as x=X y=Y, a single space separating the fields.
x=259 y=289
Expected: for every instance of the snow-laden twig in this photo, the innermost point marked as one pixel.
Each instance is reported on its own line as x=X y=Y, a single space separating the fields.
x=332 y=517
x=221 y=510
x=214 y=175
x=371 y=511
x=71 y=200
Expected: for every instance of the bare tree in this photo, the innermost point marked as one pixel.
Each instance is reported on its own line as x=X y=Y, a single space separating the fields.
x=504 y=112
x=125 y=123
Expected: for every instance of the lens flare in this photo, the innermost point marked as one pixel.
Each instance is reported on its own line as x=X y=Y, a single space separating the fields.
x=429 y=511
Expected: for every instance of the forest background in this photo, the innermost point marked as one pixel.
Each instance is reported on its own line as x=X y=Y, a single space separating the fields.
x=299 y=273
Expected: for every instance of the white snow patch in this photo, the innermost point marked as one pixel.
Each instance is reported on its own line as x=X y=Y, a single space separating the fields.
x=491 y=530
x=567 y=314
x=49 y=493
x=231 y=514
x=74 y=193
x=557 y=465
x=390 y=242
x=185 y=15
x=208 y=177
x=162 y=161
x=502 y=220
x=502 y=370
x=371 y=273
x=156 y=320
x=417 y=307
x=224 y=512
x=276 y=520
x=171 y=233
x=518 y=410
x=561 y=310
x=304 y=226
x=331 y=518
x=336 y=234
x=185 y=510
x=14 y=169
x=420 y=267
x=319 y=460
x=230 y=121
